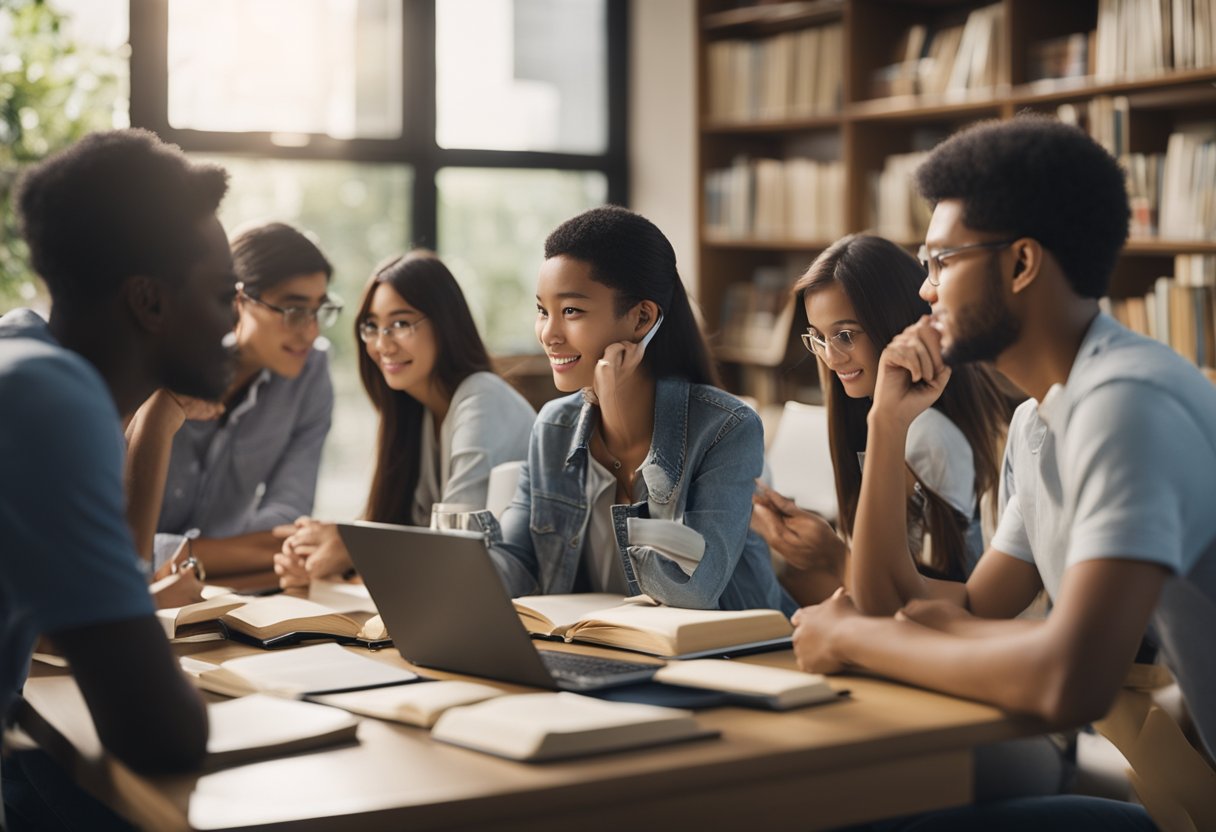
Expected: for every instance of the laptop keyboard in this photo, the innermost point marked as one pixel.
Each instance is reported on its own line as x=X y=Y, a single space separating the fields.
x=575 y=667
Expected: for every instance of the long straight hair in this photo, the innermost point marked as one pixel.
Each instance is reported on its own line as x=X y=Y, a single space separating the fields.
x=628 y=253
x=882 y=281
x=425 y=283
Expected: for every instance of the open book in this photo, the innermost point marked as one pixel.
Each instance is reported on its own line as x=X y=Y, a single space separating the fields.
x=272 y=621
x=638 y=623
x=419 y=704
x=319 y=668
x=255 y=727
x=549 y=726
x=750 y=684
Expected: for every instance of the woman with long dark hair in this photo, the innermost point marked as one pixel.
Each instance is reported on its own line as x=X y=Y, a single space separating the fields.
x=640 y=481
x=859 y=294
x=445 y=418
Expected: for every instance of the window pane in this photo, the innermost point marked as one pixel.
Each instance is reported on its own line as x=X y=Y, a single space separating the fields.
x=360 y=215
x=289 y=66
x=492 y=229
x=522 y=75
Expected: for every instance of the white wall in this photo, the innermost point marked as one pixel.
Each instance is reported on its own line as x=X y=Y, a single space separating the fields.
x=662 y=122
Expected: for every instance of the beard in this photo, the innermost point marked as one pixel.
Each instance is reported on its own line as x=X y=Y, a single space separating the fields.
x=984 y=329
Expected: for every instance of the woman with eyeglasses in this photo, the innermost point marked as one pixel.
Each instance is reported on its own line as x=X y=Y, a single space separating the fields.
x=248 y=463
x=639 y=480
x=446 y=419
x=859 y=294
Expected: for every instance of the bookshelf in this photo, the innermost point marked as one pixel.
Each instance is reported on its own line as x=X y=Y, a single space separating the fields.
x=892 y=78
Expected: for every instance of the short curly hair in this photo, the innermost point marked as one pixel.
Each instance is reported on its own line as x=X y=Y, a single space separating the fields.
x=113 y=205
x=1036 y=177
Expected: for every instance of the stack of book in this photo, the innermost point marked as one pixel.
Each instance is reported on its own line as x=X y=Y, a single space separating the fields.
x=900 y=213
x=950 y=61
x=1136 y=38
x=790 y=199
x=1057 y=58
x=756 y=316
x=794 y=75
x=1188 y=184
x=1179 y=311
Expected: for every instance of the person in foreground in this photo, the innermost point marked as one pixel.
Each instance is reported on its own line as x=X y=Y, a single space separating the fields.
x=641 y=480
x=251 y=465
x=123 y=230
x=446 y=419
x=1108 y=474
x=859 y=294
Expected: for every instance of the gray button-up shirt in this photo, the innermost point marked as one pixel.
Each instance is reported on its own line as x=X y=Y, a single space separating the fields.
x=255 y=468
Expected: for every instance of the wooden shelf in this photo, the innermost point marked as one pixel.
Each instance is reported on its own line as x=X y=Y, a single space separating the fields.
x=1071 y=89
x=730 y=128
x=1168 y=247
x=753 y=244
x=921 y=108
x=772 y=17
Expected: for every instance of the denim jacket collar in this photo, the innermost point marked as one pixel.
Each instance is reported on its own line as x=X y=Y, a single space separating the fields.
x=665 y=460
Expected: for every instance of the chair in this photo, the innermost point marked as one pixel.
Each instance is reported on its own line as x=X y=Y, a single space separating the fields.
x=503 y=480
x=800 y=459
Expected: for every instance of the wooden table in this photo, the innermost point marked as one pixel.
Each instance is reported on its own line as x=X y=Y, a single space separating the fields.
x=886 y=751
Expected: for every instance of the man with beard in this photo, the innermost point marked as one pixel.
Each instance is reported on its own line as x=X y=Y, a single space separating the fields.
x=123 y=230
x=1108 y=477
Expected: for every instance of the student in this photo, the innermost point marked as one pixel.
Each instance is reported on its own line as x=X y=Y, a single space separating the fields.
x=252 y=467
x=1109 y=468
x=446 y=419
x=859 y=294
x=123 y=230
x=650 y=449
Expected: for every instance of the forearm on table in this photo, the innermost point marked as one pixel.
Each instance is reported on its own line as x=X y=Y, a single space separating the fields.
x=250 y=552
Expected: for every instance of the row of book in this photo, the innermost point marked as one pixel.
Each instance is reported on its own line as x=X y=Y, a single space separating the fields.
x=1146 y=37
x=1067 y=56
x=786 y=77
x=787 y=199
x=951 y=60
x=1179 y=311
x=756 y=316
x=899 y=213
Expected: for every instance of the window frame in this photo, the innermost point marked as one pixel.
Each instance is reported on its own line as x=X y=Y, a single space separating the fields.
x=417 y=146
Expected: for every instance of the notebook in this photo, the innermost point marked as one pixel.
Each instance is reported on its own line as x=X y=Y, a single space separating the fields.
x=445 y=606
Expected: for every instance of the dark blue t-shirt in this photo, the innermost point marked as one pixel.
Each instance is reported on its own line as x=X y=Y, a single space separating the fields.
x=67 y=558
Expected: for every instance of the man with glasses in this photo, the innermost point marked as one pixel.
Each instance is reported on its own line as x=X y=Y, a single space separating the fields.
x=123 y=231
x=1109 y=471
x=250 y=465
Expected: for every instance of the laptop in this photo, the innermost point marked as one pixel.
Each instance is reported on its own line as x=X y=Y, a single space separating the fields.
x=445 y=606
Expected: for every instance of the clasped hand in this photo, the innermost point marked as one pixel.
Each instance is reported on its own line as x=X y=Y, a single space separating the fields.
x=311 y=549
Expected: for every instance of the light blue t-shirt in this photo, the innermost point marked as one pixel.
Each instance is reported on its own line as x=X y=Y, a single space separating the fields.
x=67 y=558
x=1120 y=462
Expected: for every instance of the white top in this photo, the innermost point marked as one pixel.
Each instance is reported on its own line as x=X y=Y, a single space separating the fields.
x=488 y=422
x=940 y=456
x=1120 y=462
x=600 y=548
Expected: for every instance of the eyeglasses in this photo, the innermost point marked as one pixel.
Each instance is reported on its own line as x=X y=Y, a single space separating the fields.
x=842 y=341
x=399 y=330
x=299 y=317
x=933 y=264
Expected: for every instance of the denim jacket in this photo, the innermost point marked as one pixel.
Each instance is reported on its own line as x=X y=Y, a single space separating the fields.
x=706 y=452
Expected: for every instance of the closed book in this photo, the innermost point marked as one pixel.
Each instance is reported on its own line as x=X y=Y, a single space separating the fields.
x=319 y=668
x=256 y=727
x=750 y=684
x=537 y=727
x=419 y=705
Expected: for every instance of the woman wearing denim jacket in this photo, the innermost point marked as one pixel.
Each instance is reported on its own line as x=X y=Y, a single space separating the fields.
x=641 y=480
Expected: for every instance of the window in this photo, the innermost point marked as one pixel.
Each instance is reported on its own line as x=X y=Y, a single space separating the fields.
x=469 y=126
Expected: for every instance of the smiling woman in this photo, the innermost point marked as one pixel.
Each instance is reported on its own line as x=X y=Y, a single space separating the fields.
x=445 y=419
x=240 y=471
